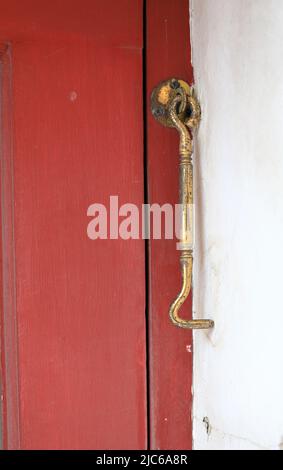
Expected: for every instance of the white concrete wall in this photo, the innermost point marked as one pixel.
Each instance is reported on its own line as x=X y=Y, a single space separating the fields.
x=238 y=368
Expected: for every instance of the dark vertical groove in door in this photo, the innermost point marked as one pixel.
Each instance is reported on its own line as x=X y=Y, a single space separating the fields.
x=147 y=283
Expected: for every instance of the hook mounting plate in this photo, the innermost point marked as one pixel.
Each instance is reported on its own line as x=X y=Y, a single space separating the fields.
x=162 y=96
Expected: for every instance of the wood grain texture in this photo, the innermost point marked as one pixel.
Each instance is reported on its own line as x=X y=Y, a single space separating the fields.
x=8 y=319
x=168 y=55
x=77 y=138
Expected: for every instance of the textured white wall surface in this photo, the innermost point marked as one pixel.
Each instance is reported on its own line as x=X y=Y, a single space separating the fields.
x=237 y=50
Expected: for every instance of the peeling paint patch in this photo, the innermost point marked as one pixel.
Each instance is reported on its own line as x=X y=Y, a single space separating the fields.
x=207 y=425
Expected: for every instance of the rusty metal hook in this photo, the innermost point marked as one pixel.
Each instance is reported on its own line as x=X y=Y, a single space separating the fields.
x=173 y=104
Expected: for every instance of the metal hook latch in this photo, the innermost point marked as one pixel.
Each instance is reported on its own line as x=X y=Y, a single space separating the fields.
x=173 y=104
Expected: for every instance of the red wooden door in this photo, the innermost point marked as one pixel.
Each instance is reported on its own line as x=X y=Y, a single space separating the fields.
x=75 y=80
x=72 y=135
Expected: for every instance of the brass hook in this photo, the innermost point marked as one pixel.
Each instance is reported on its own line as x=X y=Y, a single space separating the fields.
x=173 y=104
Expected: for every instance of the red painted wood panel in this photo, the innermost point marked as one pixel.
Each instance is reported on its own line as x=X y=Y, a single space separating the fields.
x=168 y=55
x=76 y=137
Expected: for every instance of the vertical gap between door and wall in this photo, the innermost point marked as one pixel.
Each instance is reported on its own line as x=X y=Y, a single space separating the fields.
x=146 y=241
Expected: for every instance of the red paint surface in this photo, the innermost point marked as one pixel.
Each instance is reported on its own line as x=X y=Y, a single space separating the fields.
x=168 y=55
x=78 y=305
x=73 y=332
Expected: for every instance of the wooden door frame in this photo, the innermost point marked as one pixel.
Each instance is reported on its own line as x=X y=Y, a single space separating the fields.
x=168 y=55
